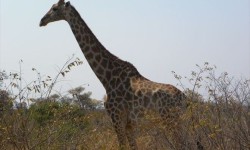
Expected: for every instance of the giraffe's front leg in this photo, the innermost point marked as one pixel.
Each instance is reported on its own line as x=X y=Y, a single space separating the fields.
x=130 y=132
x=120 y=132
x=118 y=118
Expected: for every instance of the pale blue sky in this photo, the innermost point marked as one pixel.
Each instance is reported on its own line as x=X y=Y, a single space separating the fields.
x=156 y=36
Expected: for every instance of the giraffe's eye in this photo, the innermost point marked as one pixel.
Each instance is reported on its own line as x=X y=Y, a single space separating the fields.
x=54 y=9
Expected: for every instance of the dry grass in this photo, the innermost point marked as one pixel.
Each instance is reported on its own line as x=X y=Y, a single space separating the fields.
x=216 y=126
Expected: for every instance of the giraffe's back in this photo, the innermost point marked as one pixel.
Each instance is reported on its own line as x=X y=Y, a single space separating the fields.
x=156 y=95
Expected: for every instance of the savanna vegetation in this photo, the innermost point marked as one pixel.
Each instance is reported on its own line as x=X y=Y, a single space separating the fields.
x=217 y=115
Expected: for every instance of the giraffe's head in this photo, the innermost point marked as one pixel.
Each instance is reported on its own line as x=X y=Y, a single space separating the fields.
x=57 y=12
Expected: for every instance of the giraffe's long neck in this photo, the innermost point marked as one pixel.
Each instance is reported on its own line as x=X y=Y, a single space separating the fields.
x=99 y=59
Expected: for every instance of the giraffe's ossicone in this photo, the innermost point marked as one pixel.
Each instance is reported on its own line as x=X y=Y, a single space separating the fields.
x=128 y=92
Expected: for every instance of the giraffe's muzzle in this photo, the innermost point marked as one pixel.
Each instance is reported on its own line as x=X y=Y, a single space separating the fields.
x=43 y=22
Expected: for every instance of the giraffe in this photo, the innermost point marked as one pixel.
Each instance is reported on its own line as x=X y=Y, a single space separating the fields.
x=128 y=92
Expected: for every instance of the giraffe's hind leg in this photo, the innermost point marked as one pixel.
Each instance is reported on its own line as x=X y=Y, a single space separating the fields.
x=173 y=126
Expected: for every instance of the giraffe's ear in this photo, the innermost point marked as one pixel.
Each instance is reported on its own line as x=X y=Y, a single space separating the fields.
x=67 y=4
x=61 y=2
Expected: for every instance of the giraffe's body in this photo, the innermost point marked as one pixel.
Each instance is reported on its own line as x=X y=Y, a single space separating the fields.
x=128 y=92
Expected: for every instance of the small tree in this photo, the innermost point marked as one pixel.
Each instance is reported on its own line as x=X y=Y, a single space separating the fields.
x=83 y=99
x=80 y=98
x=3 y=76
x=5 y=100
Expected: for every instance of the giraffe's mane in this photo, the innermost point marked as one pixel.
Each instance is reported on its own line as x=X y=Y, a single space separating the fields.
x=125 y=63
